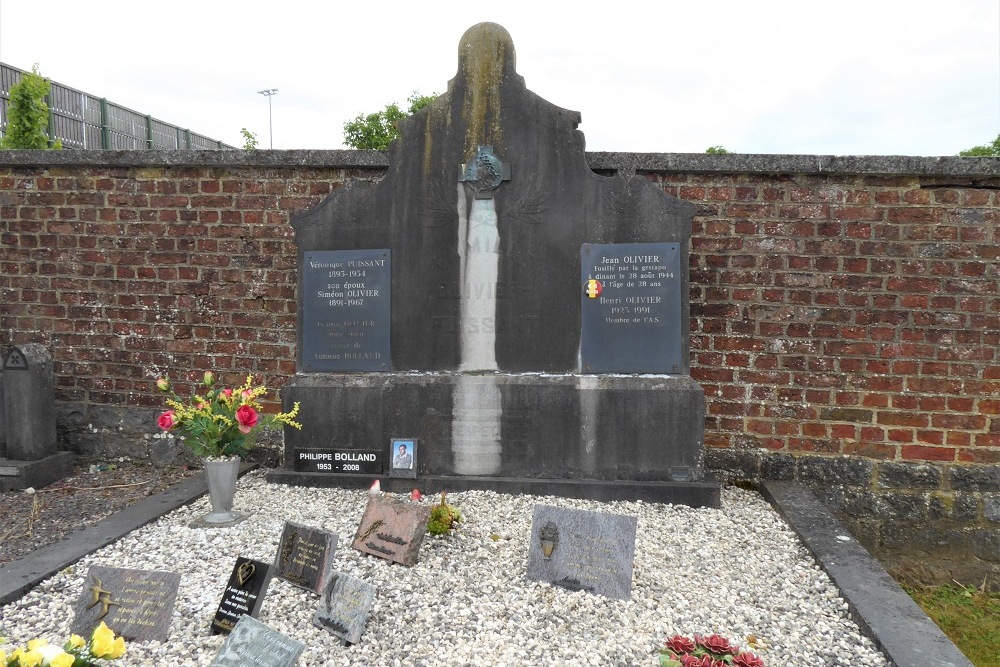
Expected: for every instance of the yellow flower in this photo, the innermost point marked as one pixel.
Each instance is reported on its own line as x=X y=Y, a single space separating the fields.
x=102 y=642
x=35 y=643
x=3 y=657
x=32 y=658
x=76 y=641
x=118 y=650
x=63 y=660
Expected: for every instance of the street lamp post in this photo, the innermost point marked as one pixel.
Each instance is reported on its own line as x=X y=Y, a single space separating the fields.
x=269 y=93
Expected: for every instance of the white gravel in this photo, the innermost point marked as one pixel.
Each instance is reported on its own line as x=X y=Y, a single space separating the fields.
x=738 y=571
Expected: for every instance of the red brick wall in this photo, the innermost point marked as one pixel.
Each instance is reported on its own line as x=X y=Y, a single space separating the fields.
x=832 y=311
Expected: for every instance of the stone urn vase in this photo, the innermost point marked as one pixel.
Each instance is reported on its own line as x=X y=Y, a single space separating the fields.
x=221 y=475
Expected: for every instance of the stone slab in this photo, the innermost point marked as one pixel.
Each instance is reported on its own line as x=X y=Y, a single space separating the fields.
x=883 y=611
x=254 y=644
x=15 y=475
x=392 y=529
x=582 y=550
x=29 y=403
x=243 y=595
x=136 y=604
x=305 y=555
x=344 y=606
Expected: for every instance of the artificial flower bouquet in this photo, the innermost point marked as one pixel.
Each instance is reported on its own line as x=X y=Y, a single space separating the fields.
x=77 y=652
x=219 y=423
x=710 y=651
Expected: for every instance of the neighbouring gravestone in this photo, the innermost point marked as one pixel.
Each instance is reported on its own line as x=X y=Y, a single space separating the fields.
x=344 y=606
x=244 y=594
x=482 y=218
x=582 y=550
x=254 y=644
x=136 y=604
x=305 y=555
x=392 y=529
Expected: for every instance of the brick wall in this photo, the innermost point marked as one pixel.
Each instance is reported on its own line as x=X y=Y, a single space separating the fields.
x=840 y=306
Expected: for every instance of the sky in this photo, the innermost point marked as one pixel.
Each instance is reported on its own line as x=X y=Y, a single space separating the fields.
x=851 y=77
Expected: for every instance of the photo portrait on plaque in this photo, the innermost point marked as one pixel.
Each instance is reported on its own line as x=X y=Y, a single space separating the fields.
x=403 y=457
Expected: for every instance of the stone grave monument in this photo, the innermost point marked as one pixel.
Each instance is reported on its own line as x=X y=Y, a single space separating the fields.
x=28 y=420
x=136 y=604
x=524 y=317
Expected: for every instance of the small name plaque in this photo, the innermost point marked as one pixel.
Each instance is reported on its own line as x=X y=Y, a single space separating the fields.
x=350 y=461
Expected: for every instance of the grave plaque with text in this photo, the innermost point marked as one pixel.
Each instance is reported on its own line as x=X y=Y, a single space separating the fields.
x=254 y=644
x=304 y=556
x=349 y=461
x=243 y=595
x=392 y=529
x=631 y=308
x=136 y=604
x=345 y=310
x=344 y=606
x=581 y=550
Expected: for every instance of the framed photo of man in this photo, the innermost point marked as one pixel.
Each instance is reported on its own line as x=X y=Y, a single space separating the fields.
x=403 y=458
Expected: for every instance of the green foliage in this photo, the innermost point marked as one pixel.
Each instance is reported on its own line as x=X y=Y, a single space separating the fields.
x=443 y=518
x=377 y=130
x=717 y=150
x=249 y=139
x=28 y=114
x=970 y=617
x=989 y=150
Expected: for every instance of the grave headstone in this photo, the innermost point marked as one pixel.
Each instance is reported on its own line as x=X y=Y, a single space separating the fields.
x=305 y=555
x=244 y=594
x=581 y=550
x=136 y=604
x=254 y=644
x=344 y=606
x=392 y=529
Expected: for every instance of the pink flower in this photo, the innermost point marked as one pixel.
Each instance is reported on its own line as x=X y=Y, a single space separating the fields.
x=246 y=393
x=748 y=660
x=680 y=644
x=227 y=392
x=162 y=384
x=166 y=420
x=247 y=417
x=716 y=644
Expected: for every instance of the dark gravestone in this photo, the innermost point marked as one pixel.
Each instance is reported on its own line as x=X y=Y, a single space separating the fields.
x=254 y=644
x=392 y=529
x=581 y=550
x=304 y=556
x=244 y=594
x=344 y=606
x=484 y=208
x=136 y=604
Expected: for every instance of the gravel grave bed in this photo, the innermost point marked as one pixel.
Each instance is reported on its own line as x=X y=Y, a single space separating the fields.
x=739 y=571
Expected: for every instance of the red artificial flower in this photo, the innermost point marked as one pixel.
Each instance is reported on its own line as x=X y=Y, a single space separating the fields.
x=680 y=644
x=716 y=644
x=166 y=420
x=247 y=417
x=748 y=660
x=227 y=392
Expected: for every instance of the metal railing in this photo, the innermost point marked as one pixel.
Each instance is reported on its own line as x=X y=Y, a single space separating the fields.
x=81 y=120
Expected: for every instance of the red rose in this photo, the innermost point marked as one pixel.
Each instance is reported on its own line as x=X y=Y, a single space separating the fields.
x=680 y=644
x=716 y=644
x=247 y=417
x=748 y=660
x=227 y=392
x=166 y=420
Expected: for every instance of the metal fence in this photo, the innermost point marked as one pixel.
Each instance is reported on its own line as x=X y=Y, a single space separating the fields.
x=81 y=120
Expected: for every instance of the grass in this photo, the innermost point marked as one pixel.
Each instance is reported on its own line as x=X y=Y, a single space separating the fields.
x=970 y=617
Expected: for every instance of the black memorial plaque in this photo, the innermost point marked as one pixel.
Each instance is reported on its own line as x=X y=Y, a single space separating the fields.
x=305 y=555
x=345 y=310
x=349 y=461
x=243 y=595
x=631 y=308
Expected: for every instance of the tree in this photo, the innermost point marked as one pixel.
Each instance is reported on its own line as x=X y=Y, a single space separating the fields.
x=377 y=130
x=28 y=114
x=989 y=150
x=717 y=150
x=249 y=139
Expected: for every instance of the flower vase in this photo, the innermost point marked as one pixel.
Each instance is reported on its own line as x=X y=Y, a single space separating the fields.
x=221 y=476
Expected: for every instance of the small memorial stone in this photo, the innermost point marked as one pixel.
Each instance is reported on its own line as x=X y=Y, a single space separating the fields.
x=392 y=529
x=254 y=644
x=581 y=550
x=344 y=606
x=136 y=604
x=304 y=556
x=243 y=595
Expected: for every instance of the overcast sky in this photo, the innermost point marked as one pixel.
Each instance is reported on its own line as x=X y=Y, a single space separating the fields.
x=844 y=77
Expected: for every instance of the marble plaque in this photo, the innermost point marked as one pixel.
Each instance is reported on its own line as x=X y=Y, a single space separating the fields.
x=244 y=593
x=392 y=529
x=581 y=550
x=344 y=606
x=254 y=644
x=304 y=556
x=136 y=604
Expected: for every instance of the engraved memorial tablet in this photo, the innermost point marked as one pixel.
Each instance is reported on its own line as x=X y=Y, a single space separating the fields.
x=581 y=550
x=254 y=644
x=243 y=595
x=631 y=308
x=392 y=529
x=304 y=556
x=345 y=310
x=136 y=604
x=344 y=606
